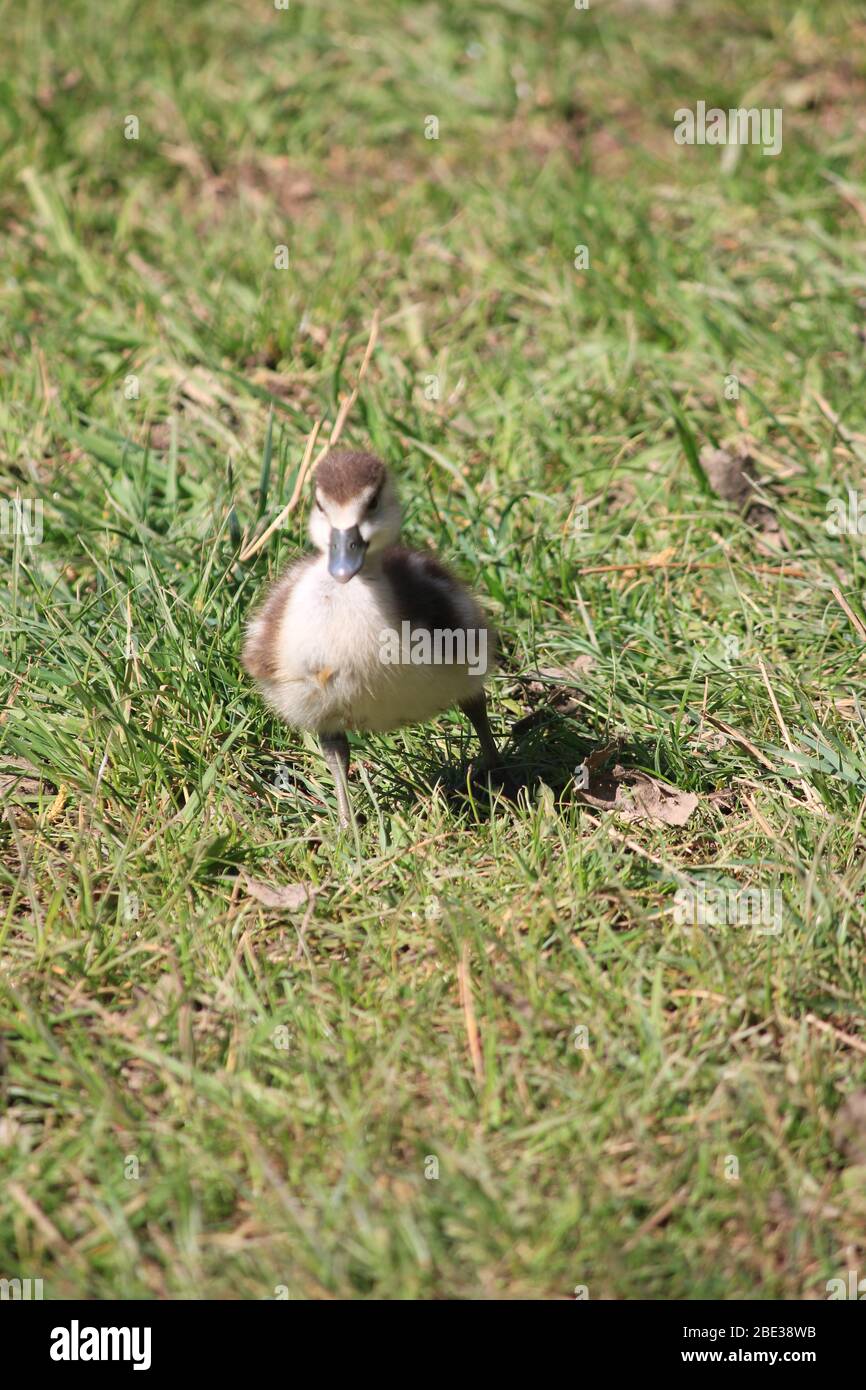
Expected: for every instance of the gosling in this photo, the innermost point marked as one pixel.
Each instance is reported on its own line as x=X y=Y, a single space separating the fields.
x=366 y=635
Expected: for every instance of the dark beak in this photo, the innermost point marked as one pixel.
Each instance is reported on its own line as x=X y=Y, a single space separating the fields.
x=346 y=554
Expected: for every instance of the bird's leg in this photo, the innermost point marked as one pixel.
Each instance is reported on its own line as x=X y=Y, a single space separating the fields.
x=476 y=711
x=336 y=750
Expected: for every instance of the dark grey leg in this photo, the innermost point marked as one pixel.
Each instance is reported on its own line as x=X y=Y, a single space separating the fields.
x=476 y=711
x=336 y=750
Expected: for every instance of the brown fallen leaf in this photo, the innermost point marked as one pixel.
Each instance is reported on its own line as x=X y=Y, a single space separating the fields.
x=729 y=475
x=635 y=796
x=658 y=801
x=598 y=757
x=732 y=477
x=289 y=896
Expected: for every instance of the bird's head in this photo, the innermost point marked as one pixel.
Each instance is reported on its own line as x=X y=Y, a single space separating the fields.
x=356 y=513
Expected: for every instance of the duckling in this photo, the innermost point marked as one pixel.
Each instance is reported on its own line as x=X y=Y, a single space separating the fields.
x=364 y=634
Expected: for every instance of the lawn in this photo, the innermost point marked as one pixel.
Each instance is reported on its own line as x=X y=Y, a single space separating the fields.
x=488 y=1050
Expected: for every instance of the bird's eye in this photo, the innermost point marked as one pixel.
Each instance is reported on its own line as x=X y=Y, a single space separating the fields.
x=319 y=505
x=372 y=504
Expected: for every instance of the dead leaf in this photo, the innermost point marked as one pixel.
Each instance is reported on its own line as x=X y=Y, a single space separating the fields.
x=732 y=477
x=657 y=801
x=635 y=796
x=289 y=896
x=598 y=757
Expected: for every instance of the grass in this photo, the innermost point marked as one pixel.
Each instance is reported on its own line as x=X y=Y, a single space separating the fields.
x=204 y=1097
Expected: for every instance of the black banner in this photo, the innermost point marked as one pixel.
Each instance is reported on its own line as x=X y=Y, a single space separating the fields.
x=145 y=1339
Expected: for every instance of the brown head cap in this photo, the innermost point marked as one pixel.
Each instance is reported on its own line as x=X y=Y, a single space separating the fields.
x=346 y=473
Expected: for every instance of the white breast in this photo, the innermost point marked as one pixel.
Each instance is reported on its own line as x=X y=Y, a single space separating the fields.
x=330 y=673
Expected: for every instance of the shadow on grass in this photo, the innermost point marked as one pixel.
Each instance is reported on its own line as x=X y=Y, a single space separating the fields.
x=546 y=752
x=549 y=749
